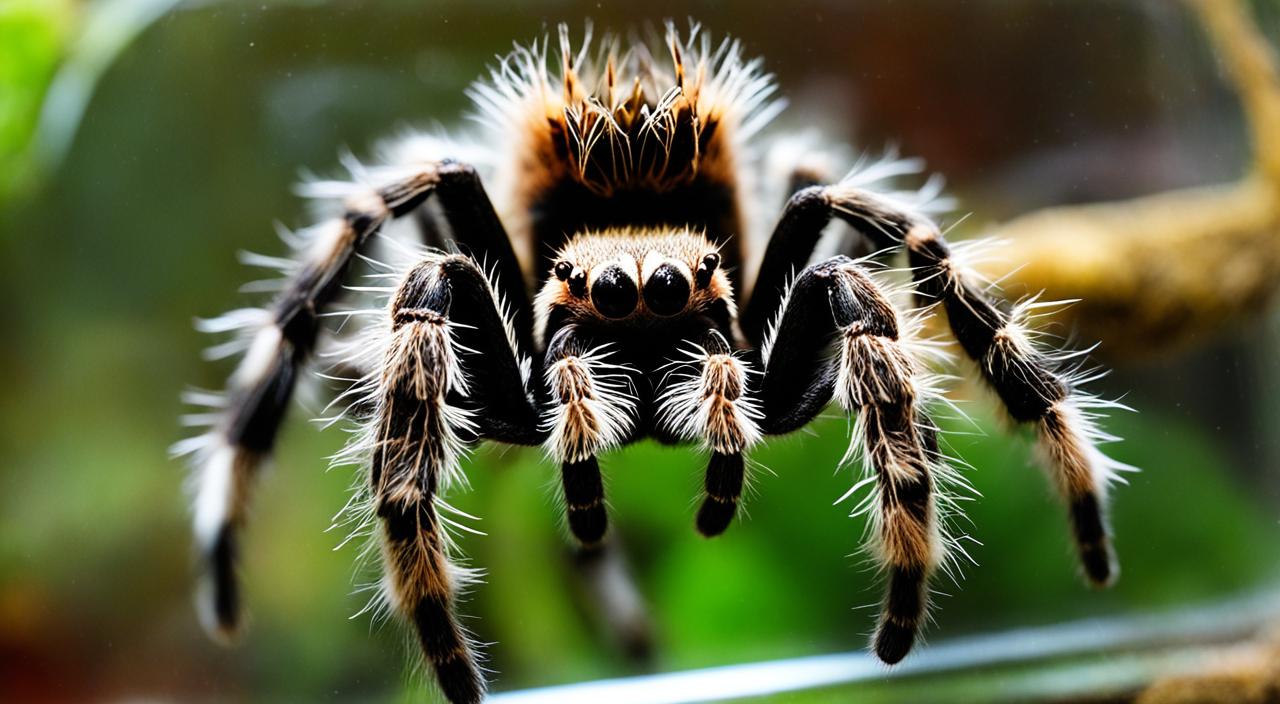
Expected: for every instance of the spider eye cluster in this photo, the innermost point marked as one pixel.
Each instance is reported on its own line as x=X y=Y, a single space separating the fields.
x=651 y=280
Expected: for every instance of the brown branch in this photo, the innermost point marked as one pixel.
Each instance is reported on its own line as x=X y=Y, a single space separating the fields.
x=1171 y=268
x=1251 y=65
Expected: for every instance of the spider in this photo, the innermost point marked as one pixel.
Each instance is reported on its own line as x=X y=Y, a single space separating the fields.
x=624 y=283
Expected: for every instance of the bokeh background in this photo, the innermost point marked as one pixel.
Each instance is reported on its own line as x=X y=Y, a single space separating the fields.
x=174 y=134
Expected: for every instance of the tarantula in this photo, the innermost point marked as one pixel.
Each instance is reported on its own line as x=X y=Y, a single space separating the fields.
x=629 y=195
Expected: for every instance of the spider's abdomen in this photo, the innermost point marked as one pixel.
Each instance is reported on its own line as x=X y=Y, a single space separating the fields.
x=624 y=140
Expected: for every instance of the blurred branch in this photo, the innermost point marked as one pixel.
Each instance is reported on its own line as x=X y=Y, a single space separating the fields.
x=1243 y=674
x=1251 y=64
x=1165 y=269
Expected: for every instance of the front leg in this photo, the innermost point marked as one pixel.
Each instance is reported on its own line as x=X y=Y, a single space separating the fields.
x=448 y=374
x=277 y=344
x=875 y=375
x=863 y=199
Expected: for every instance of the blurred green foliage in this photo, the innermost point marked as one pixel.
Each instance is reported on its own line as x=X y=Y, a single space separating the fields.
x=184 y=157
x=33 y=36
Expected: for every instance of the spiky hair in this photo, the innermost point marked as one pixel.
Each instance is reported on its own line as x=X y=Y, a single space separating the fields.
x=619 y=116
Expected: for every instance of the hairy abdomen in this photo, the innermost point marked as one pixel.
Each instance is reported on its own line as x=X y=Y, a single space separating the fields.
x=624 y=141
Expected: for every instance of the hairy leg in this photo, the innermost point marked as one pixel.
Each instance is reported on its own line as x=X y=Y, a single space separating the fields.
x=1035 y=385
x=875 y=375
x=1034 y=390
x=447 y=359
x=280 y=340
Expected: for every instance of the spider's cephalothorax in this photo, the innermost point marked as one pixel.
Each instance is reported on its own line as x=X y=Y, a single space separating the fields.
x=598 y=303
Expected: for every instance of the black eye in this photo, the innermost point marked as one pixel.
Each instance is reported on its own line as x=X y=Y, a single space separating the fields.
x=614 y=293
x=578 y=283
x=707 y=268
x=667 y=291
x=562 y=270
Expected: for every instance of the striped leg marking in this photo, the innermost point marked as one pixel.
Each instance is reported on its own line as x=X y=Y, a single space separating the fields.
x=415 y=442
x=245 y=421
x=1035 y=385
x=449 y=373
x=277 y=343
x=1034 y=390
x=877 y=377
x=880 y=381
x=417 y=448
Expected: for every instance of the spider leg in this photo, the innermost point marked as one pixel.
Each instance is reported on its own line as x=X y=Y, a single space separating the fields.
x=282 y=339
x=604 y=575
x=451 y=375
x=477 y=230
x=708 y=400
x=1028 y=380
x=227 y=458
x=792 y=243
x=591 y=408
x=874 y=376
